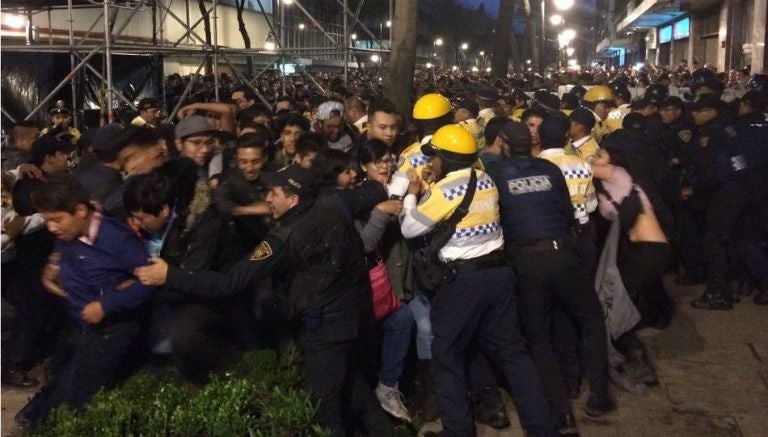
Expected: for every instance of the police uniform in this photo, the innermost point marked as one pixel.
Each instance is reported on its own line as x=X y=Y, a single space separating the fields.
x=585 y=148
x=479 y=300
x=536 y=213
x=616 y=117
x=318 y=256
x=476 y=128
x=737 y=165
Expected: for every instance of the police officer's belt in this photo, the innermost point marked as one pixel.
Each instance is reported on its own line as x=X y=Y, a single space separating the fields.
x=489 y=261
x=542 y=244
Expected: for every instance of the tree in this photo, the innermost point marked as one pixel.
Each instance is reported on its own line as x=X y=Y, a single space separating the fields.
x=530 y=33
x=207 y=28
x=501 y=40
x=244 y=33
x=402 y=61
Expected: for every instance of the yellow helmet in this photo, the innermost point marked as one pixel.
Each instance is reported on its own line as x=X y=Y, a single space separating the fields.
x=453 y=143
x=431 y=106
x=600 y=93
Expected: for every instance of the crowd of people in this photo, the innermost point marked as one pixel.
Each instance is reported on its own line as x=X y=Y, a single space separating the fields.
x=484 y=240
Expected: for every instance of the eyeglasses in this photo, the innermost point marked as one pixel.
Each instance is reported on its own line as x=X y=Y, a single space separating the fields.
x=386 y=162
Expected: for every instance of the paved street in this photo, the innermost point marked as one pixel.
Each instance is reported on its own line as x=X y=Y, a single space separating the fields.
x=713 y=368
x=713 y=372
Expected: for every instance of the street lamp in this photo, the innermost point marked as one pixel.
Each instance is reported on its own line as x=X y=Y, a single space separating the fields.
x=482 y=53
x=556 y=19
x=439 y=42
x=429 y=65
x=389 y=23
x=302 y=26
x=569 y=34
x=464 y=46
x=375 y=58
x=353 y=36
x=454 y=68
x=563 y=5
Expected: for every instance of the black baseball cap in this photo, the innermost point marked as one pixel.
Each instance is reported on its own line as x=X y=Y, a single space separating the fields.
x=708 y=101
x=756 y=99
x=516 y=135
x=148 y=103
x=468 y=104
x=672 y=101
x=487 y=93
x=294 y=176
x=583 y=116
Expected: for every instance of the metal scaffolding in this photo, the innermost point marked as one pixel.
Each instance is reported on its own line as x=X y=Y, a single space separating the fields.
x=328 y=40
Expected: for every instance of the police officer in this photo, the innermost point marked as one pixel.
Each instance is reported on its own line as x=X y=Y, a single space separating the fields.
x=675 y=133
x=601 y=100
x=61 y=117
x=537 y=215
x=721 y=181
x=476 y=302
x=752 y=129
x=318 y=256
x=431 y=112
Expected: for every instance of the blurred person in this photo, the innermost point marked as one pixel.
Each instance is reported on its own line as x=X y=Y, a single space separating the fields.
x=23 y=134
x=105 y=301
x=290 y=126
x=325 y=290
x=332 y=127
x=149 y=112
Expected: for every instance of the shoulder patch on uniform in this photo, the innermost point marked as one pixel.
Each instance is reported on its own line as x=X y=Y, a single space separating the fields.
x=685 y=135
x=262 y=252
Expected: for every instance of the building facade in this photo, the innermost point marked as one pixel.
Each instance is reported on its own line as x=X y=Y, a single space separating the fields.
x=726 y=34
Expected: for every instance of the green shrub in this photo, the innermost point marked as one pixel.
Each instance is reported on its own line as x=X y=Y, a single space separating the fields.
x=259 y=396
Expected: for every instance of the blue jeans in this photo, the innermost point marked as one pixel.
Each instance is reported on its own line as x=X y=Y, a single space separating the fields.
x=420 y=307
x=397 y=328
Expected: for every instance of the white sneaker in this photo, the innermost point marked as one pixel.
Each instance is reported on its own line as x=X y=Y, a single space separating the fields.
x=391 y=401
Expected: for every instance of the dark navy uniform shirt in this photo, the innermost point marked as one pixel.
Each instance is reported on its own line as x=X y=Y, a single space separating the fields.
x=533 y=199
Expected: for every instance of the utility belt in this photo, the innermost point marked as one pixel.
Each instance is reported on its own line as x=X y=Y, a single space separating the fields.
x=543 y=245
x=489 y=261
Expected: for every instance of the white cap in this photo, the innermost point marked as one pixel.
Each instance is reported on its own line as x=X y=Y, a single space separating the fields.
x=325 y=110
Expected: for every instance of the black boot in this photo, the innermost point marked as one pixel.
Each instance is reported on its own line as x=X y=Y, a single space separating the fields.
x=489 y=408
x=599 y=405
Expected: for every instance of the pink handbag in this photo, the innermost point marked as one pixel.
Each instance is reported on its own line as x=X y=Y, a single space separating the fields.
x=385 y=302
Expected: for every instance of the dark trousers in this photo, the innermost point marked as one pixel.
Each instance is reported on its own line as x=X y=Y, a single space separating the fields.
x=94 y=358
x=547 y=276
x=642 y=266
x=735 y=222
x=480 y=306
x=690 y=228
x=333 y=348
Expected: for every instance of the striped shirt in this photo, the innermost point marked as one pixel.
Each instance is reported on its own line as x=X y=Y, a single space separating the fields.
x=578 y=177
x=479 y=232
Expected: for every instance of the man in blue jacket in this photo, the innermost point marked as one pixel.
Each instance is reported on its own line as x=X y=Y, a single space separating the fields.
x=96 y=257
